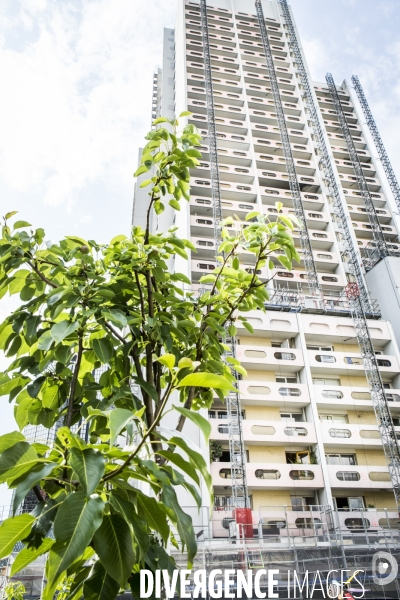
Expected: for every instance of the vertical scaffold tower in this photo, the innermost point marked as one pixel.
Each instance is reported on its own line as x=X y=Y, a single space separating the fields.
x=306 y=247
x=376 y=227
x=383 y=156
x=357 y=293
x=236 y=444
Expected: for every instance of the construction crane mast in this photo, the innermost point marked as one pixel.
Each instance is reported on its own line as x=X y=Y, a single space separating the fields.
x=376 y=227
x=357 y=293
x=306 y=247
x=236 y=444
x=383 y=156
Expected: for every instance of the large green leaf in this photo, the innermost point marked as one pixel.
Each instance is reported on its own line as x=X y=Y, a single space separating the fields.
x=179 y=461
x=119 y=418
x=74 y=526
x=100 y=585
x=9 y=439
x=113 y=544
x=154 y=515
x=206 y=380
x=13 y=530
x=103 y=349
x=28 y=555
x=183 y=522
x=17 y=460
x=123 y=505
x=200 y=421
x=29 y=481
x=89 y=466
x=61 y=330
x=196 y=459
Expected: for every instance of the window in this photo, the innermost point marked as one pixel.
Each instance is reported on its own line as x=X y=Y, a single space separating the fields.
x=348 y=476
x=339 y=433
x=300 y=504
x=341 y=459
x=353 y=360
x=284 y=356
x=295 y=431
x=325 y=358
x=332 y=394
x=267 y=474
x=298 y=475
x=321 y=348
x=317 y=381
x=296 y=417
x=334 y=418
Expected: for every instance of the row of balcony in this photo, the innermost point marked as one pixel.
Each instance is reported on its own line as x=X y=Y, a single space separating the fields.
x=334 y=281
x=287 y=477
x=297 y=395
x=283 y=433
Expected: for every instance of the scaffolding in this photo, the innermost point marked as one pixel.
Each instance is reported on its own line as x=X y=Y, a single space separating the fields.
x=383 y=156
x=356 y=291
x=376 y=227
x=314 y=538
x=236 y=443
x=307 y=253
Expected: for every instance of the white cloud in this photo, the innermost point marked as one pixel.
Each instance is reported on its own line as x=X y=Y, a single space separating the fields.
x=76 y=81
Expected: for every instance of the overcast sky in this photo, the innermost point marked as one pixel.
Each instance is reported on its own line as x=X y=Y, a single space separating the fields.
x=76 y=80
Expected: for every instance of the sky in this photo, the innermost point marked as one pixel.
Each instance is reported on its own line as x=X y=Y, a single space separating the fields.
x=75 y=105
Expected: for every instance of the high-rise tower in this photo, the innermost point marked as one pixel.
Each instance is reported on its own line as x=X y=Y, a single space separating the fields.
x=320 y=404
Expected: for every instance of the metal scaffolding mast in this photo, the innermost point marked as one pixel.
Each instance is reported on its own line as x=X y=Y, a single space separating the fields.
x=357 y=293
x=306 y=247
x=326 y=163
x=236 y=443
x=383 y=156
x=377 y=232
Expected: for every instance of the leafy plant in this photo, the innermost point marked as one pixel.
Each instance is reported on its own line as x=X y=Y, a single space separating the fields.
x=105 y=342
x=216 y=450
x=14 y=591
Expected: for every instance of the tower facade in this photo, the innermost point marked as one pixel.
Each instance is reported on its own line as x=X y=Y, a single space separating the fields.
x=312 y=400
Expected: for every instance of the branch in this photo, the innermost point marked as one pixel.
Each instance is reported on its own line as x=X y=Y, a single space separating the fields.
x=144 y=438
x=114 y=332
x=70 y=413
x=42 y=277
x=142 y=309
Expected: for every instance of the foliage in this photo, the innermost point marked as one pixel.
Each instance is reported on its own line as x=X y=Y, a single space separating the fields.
x=216 y=450
x=105 y=342
x=14 y=591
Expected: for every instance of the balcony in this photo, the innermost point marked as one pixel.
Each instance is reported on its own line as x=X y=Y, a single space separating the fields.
x=359 y=477
x=340 y=329
x=341 y=363
x=333 y=281
x=276 y=476
x=278 y=163
x=347 y=435
x=346 y=167
x=360 y=213
x=226 y=172
x=230 y=191
x=277 y=179
x=357 y=398
x=351 y=182
x=258 y=357
x=199 y=93
x=365 y=230
x=267 y=433
x=343 y=153
x=338 y=138
x=271 y=393
x=356 y=198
